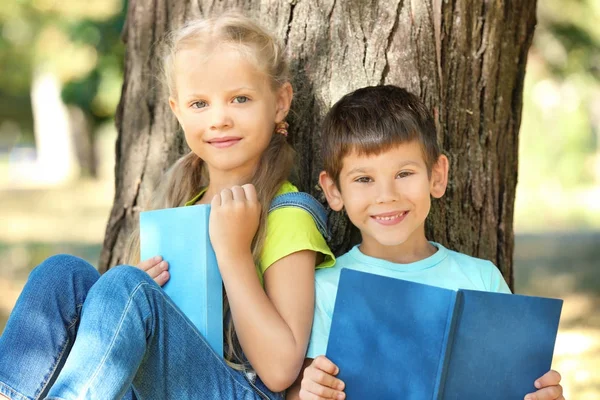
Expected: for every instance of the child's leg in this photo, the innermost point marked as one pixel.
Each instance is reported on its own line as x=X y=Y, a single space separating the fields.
x=41 y=329
x=131 y=332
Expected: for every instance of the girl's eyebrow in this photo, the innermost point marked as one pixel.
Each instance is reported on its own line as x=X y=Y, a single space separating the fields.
x=243 y=88
x=196 y=95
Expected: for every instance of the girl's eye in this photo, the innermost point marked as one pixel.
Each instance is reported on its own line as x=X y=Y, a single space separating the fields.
x=240 y=99
x=199 y=104
x=404 y=174
x=363 y=179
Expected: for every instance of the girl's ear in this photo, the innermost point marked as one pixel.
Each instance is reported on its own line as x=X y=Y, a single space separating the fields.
x=174 y=106
x=332 y=193
x=439 y=177
x=285 y=94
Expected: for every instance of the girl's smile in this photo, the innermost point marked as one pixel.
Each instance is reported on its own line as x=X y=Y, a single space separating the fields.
x=224 y=142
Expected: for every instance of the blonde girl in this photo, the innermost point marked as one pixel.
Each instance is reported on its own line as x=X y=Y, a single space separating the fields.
x=229 y=90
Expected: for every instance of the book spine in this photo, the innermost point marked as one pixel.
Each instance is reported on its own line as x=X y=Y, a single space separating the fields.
x=446 y=354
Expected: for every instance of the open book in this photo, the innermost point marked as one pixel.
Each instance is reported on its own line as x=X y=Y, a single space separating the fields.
x=395 y=339
x=180 y=236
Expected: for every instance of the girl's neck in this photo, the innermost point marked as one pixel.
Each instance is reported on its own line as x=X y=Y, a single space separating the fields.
x=219 y=180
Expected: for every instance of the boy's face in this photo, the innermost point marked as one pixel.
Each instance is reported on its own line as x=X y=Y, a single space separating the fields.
x=388 y=197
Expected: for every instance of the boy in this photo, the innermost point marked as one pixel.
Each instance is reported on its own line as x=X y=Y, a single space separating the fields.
x=382 y=166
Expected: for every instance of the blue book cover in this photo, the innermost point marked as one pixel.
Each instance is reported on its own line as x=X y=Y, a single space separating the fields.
x=396 y=339
x=180 y=236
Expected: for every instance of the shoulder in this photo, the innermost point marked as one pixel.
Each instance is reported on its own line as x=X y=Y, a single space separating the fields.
x=468 y=261
x=327 y=279
x=286 y=187
x=479 y=270
x=291 y=229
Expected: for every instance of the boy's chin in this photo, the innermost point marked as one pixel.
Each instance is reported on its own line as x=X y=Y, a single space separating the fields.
x=388 y=240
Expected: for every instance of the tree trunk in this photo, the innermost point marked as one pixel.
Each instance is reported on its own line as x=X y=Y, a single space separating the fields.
x=465 y=59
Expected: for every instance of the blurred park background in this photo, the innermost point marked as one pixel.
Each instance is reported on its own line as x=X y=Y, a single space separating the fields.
x=60 y=80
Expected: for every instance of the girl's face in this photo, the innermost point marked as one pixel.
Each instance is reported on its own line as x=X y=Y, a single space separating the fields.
x=227 y=109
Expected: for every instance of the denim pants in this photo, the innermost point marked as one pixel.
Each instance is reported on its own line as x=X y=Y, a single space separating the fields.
x=74 y=334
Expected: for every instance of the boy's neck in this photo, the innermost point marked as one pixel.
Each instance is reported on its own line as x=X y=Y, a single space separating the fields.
x=413 y=250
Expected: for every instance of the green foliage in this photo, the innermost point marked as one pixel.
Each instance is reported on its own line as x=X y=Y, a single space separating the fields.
x=559 y=153
x=78 y=41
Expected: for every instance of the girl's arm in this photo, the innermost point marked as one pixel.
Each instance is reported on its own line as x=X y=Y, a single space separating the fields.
x=273 y=325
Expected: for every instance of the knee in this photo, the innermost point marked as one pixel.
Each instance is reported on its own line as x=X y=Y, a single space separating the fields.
x=125 y=276
x=63 y=268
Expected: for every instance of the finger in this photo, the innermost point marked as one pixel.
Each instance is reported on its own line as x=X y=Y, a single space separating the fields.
x=321 y=390
x=216 y=200
x=162 y=278
x=323 y=378
x=158 y=269
x=238 y=194
x=547 y=393
x=325 y=364
x=550 y=378
x=226 y=196
x=306 y=395
x=250 y=192
x=149 y=263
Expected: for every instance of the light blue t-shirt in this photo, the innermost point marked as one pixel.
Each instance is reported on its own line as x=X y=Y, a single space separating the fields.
x=446 y=268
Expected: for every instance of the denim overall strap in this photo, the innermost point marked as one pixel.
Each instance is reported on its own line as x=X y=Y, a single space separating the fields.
x=306 y=202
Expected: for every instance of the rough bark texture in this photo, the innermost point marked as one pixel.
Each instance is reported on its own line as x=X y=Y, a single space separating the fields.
x=465 y=59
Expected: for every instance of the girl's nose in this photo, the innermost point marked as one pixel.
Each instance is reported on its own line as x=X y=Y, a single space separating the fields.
x=219 y=118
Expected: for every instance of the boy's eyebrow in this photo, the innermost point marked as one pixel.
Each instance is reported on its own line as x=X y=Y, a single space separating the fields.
x=359 y=170
x=363 y=170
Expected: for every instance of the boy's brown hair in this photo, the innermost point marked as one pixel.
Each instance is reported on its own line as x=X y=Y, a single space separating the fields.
x=373 y=119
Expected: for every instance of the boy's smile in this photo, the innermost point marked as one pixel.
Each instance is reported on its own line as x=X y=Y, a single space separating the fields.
x=388 y=196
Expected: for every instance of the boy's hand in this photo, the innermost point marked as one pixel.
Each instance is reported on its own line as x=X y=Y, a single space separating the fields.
x=549 y=387
x=157 y=268
x=319 y=381
x=234 y=218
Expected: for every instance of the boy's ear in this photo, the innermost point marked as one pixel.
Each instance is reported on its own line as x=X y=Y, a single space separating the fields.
x=439 y=177
x=285 y=94
x=332 y=193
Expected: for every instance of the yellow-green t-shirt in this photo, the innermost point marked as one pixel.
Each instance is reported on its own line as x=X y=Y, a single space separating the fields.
x=289 y=230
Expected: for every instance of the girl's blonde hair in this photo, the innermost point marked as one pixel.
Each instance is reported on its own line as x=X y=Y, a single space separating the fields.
x=188 y=175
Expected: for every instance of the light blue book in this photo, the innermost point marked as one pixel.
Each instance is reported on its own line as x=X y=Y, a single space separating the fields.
x=180 y=236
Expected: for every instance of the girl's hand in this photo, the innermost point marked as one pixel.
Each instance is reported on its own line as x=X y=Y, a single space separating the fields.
x=234 y=218
x=319 y=381
x=157 y=268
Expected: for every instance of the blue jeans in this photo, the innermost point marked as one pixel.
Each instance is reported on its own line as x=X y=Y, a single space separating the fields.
x=73 y=334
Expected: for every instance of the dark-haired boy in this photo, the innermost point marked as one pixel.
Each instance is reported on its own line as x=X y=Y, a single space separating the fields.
x=382 y=166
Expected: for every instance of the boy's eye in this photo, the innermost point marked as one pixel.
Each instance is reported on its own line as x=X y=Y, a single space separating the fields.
x=404 y=174
x=363 y=179
x=199 y=104
x=240 y=99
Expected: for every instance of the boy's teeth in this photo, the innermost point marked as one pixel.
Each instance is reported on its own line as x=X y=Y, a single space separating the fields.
x=390 y=217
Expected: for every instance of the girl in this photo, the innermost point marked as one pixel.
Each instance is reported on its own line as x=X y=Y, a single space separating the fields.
x=230 y=92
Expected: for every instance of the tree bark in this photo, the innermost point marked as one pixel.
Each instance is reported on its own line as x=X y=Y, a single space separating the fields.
x=465 y=59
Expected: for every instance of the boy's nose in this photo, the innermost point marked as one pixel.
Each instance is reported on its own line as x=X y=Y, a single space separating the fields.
x=386 y=192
